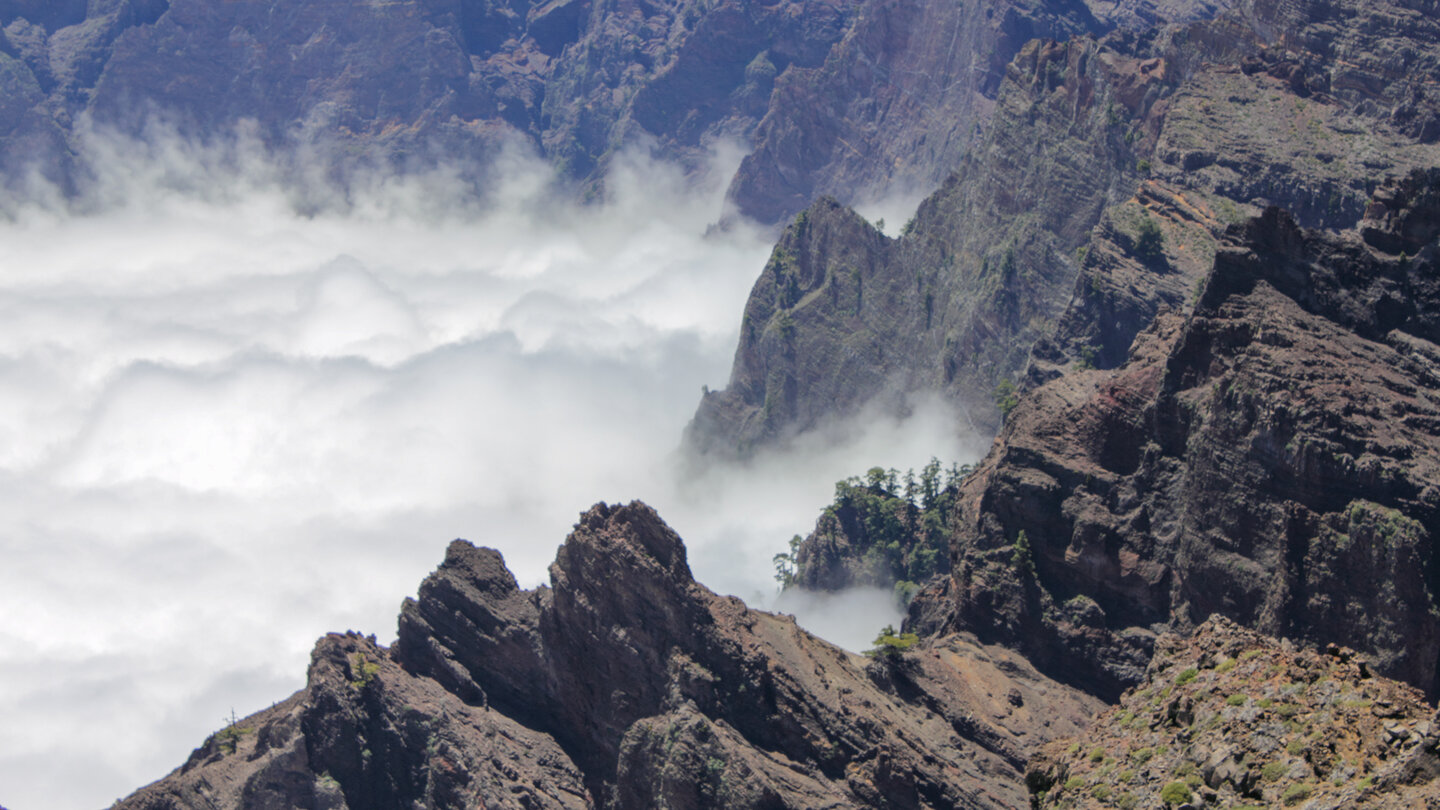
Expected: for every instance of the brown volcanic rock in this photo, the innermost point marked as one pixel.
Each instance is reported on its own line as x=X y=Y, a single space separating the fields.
x=1238 y=718
x=1269 y=458
x=626 y=684
x=366 y=734
x=633 y=652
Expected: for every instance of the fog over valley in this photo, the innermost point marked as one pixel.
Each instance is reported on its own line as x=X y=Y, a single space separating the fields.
x=240 y=408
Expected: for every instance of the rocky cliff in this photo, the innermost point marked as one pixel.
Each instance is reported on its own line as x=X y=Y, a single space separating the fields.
x=1094 y=198
x=626 y=684
x=1269 y=457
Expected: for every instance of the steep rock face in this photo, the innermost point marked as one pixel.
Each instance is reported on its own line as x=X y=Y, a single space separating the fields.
x=1035 y=253
x=1268 y=458
x=896 y=101
x=900 y=100
x=626 y=684
x=842 y=313
x=1228 y=717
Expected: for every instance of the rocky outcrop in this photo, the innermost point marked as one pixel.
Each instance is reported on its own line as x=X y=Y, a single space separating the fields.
x=626 y=684
x=1270 y=458
x=842 y=313
x=1228 y=718
x=366 y=734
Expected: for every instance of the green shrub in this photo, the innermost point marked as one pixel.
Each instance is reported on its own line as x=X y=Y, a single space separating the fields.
x=1127 y=801
x=1272 y=771
x=1226 y=665
x=1235 y=700
x=1074 y=783
x=1149 y=242
x=1097 y=755
x=1175 y=793
x=1006 y=398
x=891 y=645
x=1187 y=676
x=1101 y=792
x=1296 y=793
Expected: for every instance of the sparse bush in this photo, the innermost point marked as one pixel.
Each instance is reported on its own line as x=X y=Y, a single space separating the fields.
x=1296 y=793
x=1006 y=398
x=1187 y=676
x=1022 y=557
x=1150 y=241
x=890 y=645
x=1175 y=793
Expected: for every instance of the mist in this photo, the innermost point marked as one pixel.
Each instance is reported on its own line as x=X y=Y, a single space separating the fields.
x=240 y=409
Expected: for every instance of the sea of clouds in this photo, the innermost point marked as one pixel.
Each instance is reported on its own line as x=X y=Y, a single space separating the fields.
x=240 y=409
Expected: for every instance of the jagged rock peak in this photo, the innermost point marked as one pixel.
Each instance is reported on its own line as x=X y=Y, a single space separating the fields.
x=626 y=685
x=629 y=530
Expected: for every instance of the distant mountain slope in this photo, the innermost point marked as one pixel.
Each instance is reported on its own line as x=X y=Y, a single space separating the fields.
x=886 y=92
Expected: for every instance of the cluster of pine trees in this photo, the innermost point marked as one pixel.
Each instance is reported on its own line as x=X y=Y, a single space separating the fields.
x=896 y=525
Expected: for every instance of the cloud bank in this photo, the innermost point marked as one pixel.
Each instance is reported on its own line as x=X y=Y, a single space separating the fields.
x=239 y=410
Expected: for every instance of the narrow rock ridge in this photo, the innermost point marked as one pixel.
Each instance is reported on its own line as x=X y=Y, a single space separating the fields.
x=626 y=684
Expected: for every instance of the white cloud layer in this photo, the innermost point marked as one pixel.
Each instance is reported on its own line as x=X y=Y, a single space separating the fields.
x=227 y=428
